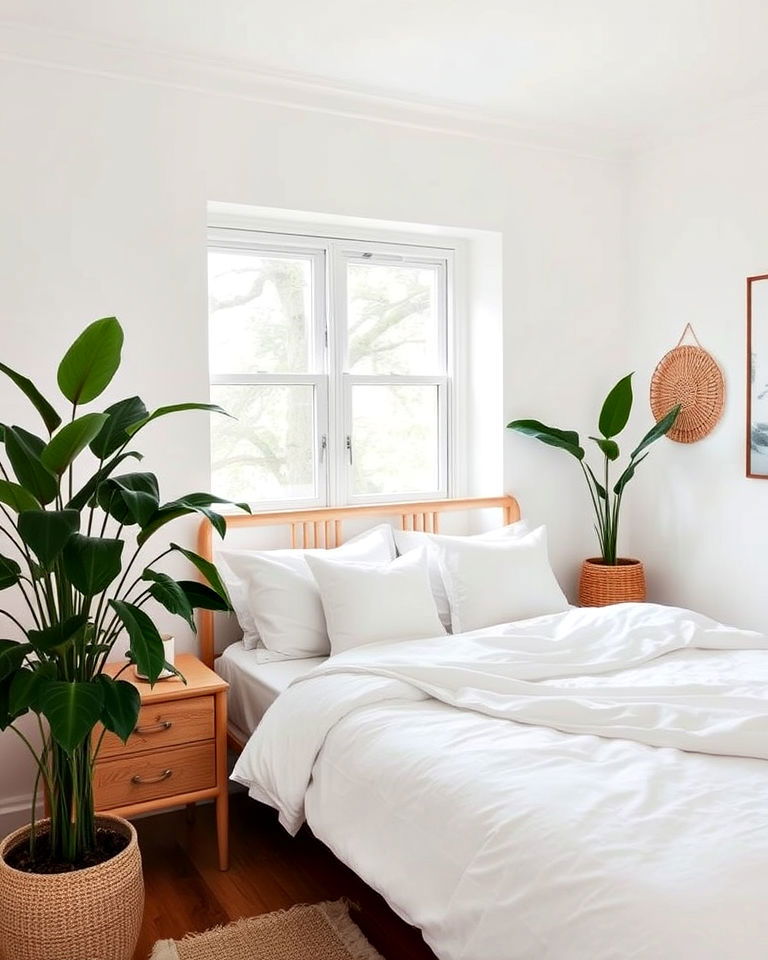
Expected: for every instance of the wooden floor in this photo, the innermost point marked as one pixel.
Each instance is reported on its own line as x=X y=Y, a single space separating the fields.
x=185 y=891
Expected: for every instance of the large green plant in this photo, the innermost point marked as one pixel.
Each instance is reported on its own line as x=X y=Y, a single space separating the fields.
x=75 y=550
x=606 y=499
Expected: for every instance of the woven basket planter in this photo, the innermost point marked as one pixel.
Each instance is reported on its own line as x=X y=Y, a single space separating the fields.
x=89 y=914
x=601 y=584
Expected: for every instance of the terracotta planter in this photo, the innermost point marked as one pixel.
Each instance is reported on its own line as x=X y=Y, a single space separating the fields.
x=89 y=914
x=601 y=584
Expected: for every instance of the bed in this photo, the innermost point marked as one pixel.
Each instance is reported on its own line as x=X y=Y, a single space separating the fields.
x=586 y=785
x=253 y=686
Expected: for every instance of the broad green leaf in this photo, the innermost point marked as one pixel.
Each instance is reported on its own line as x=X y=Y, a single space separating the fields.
x=170 y=594
x=12 y=656
x=189 y=503
x=83 y=495
x=174 y=510
x=201 y=596
x=51 y=419
x=567 y=440
x=10 y=572
x=120 y=707
x=46 y=531
x=140 y=493
x=13 y=495
x=658 y=430
x=24 y=450
x=208 y=570
x=57 y=638
x=209 y=499
x=36 y=444
x=174 y=408
x=70 y=441
x=92 y=563
x=72 y=710
x=27 y=686
x=170 y=668
x=616 y=408
x=627 y=475
x=114 y=433
x=91 y=361
x=131 y=498
x=609 y=447
x=146 y=645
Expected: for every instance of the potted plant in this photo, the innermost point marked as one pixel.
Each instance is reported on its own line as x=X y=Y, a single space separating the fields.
x=607 y=578
x=71 y=885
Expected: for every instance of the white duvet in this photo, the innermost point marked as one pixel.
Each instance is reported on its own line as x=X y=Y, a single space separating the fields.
x=585 y=786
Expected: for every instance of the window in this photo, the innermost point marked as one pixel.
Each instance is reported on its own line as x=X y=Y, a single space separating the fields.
x=333 y=358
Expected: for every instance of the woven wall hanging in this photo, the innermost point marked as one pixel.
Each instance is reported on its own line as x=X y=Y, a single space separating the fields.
x=690 y=376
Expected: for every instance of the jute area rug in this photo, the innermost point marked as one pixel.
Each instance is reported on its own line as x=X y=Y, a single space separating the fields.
x=320 y=931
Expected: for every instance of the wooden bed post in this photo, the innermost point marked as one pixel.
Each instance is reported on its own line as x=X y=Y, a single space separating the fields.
x=205 y=617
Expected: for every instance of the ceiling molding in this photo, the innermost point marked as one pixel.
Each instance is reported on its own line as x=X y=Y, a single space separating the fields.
x=22 y=43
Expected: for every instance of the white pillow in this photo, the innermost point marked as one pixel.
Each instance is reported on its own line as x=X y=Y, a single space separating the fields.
x=238 y=594
x=366 y=603
x=276 y=598
x=407 y=540
x=498 y=582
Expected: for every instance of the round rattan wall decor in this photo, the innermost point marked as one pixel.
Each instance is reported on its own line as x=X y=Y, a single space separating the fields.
x=690 y=376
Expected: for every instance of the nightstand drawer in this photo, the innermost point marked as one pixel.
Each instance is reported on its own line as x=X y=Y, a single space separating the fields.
x=163 y=725
x=149 y=776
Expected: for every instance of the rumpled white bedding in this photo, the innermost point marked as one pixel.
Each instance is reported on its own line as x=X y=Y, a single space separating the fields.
x=521 y=793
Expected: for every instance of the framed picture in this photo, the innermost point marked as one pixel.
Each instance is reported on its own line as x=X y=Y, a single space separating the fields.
x=757 y=377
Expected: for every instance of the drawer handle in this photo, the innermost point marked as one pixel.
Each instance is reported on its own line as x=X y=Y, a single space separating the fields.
x=158 y=779
x=154 y=727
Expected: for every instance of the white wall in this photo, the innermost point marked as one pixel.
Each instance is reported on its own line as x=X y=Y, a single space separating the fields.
x=698 y=228
x=105 y=185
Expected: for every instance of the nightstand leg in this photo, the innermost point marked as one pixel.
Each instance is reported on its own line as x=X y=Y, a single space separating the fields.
x=222 y=828
x=222 y=800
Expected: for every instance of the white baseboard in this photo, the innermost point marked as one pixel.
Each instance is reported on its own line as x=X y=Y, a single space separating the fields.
x=15 y=813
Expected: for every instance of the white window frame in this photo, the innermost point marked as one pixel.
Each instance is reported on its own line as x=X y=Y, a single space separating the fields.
x=331 y=382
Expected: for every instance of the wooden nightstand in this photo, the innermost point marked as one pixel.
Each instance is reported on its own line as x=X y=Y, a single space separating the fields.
x=177 y=753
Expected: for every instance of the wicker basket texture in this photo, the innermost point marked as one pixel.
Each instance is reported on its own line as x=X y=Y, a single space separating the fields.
x=601 y=584
x=89 y=914
x=690 y=376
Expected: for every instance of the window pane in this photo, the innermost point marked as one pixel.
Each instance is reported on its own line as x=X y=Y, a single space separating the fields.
x=268 y=452
x=392 y=317
x=260 y=310
x=394 y=439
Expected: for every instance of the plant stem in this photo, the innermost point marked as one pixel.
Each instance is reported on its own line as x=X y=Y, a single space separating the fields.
x=598 y=512
x=72 y=814
x=607 y=552
x=37 y=758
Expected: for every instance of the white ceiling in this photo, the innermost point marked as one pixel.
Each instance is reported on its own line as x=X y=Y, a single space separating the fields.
x=615 y=70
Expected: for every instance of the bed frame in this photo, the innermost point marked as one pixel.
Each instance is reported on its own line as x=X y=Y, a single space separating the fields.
x=324 y=528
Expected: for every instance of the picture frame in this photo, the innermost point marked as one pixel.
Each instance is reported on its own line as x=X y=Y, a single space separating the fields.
x=756 y=440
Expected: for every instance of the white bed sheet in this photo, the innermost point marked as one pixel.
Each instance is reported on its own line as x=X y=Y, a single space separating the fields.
x=254 y=686
x=520 y=793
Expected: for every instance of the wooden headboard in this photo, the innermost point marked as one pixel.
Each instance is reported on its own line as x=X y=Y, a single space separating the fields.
x=323 y=528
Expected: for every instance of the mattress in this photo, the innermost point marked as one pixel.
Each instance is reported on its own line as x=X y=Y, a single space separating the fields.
x=254 y=686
